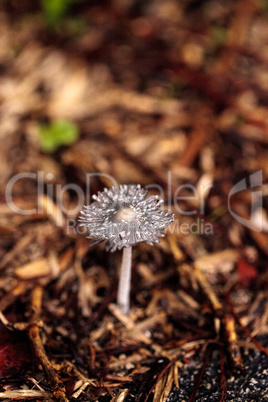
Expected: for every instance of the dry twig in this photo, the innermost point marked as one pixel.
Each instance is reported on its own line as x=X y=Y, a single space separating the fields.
x=57 y=387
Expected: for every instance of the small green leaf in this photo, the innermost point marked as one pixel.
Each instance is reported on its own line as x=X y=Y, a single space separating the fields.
x=58 y=133
x=55 y=11
x=219 y=34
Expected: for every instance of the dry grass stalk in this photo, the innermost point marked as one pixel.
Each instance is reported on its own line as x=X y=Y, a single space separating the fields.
x=33 y=269
x=121 y=396
x=25 y=394
x=208 y=290
x=231 y=337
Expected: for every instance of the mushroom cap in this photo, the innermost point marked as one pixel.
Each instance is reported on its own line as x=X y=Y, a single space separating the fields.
x=123 y=217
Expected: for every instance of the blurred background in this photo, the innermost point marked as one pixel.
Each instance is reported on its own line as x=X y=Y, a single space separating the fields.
x=133 y=89
x=168 y=93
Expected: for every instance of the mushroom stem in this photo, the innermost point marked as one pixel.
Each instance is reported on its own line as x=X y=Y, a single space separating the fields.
x=124 y=281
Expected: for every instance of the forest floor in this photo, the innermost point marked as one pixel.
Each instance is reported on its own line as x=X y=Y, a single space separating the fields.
x=171 y=95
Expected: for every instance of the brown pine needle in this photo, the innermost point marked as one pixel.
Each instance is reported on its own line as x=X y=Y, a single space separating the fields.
x=201 y=373
x=223 y=383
